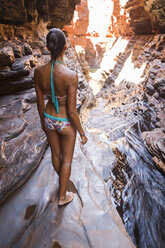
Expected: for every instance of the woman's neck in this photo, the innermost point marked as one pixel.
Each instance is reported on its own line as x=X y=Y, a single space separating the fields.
x=60 y=58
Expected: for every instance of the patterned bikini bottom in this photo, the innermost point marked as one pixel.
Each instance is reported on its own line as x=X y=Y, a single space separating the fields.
x=55 y=123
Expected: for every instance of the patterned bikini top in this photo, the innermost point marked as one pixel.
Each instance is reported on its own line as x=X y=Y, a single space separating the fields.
x=53 y=96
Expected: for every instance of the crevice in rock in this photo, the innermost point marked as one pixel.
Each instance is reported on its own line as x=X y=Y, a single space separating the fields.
x=29 y=211
x=56 y=244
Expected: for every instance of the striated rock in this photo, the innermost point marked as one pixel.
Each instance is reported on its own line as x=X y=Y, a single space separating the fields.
x=10 y=74
x=23 y=20
x=6 y=56
x=22 y=142
x=11 y=87
x=159 y=85
x=155 y=142
x=84 y=94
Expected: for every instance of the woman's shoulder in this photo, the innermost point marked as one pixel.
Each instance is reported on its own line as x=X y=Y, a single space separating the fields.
x=70 y=75
x=39 y=69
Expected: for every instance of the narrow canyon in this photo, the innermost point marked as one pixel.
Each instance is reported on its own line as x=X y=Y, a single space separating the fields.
x=117 y=48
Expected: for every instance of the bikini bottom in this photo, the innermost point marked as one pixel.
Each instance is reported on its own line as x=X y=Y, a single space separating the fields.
x=55 y=123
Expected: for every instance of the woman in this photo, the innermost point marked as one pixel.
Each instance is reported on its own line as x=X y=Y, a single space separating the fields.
x=59 y=118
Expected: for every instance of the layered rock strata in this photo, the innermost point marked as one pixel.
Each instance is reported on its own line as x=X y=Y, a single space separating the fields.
x=116 y=18
x=143 y=55
x=21 y=19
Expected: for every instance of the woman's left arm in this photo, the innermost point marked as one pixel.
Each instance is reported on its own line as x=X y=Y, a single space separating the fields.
x=40 y=99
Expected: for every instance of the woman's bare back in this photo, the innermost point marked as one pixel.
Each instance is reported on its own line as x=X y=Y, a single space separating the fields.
x=63 y=78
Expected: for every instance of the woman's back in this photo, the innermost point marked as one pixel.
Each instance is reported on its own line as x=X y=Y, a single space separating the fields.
x=62 y=80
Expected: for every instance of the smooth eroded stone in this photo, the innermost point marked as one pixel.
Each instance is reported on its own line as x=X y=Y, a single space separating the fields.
x=23 y=144
x=9 y=75
x=16 y=86
x=6 y=56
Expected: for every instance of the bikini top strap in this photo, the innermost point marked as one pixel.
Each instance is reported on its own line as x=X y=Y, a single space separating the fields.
x=54 y=98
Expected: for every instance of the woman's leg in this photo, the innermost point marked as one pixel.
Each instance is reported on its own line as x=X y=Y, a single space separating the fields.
x=67 y=143
x=53 y=140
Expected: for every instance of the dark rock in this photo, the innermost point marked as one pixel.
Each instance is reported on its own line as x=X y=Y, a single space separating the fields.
x=6 y=56
x=10 y=75
x=17 y=11
x=20 y=63
x=27 y=49
x=155 y=141
x=16 y=86
x=18 y=52
x=150 y=90
x=37 y=44
x=159 y=85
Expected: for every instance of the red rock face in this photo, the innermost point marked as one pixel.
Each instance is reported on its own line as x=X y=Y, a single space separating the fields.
x=21 y=18
x=112 y=18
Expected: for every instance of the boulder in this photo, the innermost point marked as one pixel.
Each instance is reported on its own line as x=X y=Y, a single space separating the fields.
x=6 y=56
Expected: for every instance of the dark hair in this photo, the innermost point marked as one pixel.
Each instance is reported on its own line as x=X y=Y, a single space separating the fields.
x=56 y=41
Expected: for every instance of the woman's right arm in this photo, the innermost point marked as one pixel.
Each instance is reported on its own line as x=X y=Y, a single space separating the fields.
x=71 y=106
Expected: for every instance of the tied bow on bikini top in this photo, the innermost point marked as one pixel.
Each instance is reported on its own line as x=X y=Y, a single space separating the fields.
x=54 y=97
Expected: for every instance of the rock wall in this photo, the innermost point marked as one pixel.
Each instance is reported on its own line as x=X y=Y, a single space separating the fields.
x=22 y=17
x=137 y=75
x=124 y=18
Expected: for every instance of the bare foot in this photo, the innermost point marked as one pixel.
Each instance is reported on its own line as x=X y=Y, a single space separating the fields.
x=68 y=198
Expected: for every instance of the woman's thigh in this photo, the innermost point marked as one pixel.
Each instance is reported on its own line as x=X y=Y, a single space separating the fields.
x=67 y=143
x=54 y=141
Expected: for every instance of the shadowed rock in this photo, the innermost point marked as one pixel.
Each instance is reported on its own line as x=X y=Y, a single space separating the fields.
x=6 y=56
x=22 y=142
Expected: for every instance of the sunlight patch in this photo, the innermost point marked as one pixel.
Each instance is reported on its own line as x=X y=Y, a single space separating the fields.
x=130 y=73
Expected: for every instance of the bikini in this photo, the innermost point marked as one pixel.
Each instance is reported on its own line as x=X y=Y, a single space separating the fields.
x=52 y=122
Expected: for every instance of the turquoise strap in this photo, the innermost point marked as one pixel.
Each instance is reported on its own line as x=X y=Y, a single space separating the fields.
x=55 y=118
x=54 y=98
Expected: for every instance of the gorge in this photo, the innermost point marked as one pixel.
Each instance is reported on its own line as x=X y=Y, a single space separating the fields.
x=117 y=47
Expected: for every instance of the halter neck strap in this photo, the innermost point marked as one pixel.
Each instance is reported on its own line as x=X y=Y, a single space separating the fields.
x=54 y=98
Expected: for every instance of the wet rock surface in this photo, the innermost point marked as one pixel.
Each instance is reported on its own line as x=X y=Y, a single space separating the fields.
x=42 y=222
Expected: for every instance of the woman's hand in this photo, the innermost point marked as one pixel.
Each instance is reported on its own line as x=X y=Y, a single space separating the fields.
x=84 y=139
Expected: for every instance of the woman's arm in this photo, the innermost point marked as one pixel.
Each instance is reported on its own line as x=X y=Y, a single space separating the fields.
x=40 y=99
x=71 y=106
